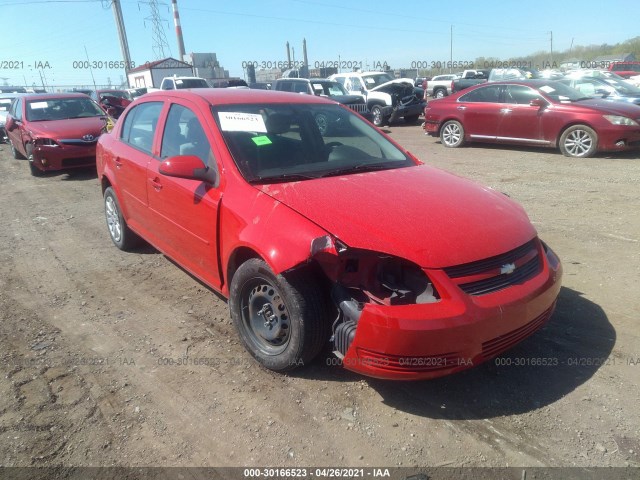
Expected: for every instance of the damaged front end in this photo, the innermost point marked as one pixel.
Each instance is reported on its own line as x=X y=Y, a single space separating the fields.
x=404 y=100
x=360 y=277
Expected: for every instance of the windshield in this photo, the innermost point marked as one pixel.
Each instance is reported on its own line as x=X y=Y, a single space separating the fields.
x=62 y=109
x=561 y=93
x=328 y=88
x=283 y=142
x=5 y=103
x=191 y=83
x=375 y=79
x=623 y=88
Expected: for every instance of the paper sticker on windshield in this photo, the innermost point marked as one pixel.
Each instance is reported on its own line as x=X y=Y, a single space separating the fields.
x=34 y=105
x=241 y=122
x=547 y=89
x=261 y=140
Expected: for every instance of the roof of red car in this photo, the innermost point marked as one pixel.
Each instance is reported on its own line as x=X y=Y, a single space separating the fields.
x=221 y=96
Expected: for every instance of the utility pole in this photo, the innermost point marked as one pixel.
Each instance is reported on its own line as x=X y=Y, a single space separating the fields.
x=122 y=34
x=159 y=38
x=551 y=33
x=451 y=51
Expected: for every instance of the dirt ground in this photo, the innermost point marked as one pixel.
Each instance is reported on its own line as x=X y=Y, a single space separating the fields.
x=93 y=342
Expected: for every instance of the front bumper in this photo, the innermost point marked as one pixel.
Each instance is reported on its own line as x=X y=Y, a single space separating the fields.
x=400 y=111
x=413 y=342
x=618 y=139
x=62 y=157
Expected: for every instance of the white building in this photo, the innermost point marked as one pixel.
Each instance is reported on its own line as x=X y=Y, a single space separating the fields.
x=150 y=74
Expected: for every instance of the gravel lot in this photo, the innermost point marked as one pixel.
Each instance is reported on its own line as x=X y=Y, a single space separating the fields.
x=91 y=341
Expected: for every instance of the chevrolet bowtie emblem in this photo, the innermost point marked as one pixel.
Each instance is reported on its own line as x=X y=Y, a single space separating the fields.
x=507 y=268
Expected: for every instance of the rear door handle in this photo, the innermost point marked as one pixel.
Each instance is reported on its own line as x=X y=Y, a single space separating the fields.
x=156 y=184
x=505 y=110
x=117 y=162
x=462 y=107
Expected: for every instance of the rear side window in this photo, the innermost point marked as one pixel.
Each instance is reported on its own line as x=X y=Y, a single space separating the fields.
x=139 y=126
x=489 y=94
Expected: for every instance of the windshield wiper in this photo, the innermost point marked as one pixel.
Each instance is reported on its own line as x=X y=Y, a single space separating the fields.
x=284 y=177
x=362 y=167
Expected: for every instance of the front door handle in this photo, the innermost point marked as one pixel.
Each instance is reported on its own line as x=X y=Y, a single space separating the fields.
x=505 y=110
x=156 y=184
x=462 y=107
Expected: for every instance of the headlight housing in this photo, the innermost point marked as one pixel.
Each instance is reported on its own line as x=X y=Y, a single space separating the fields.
x=373 y=277
x=620 y=120
x=45 y=142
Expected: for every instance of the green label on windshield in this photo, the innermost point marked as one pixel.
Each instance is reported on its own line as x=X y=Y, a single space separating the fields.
x=261 y=140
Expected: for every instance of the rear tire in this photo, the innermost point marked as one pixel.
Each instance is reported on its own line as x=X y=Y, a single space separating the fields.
x=120 y=233
x=440 y=93
x=579 y=141
x=452 y=134
x=281 y=319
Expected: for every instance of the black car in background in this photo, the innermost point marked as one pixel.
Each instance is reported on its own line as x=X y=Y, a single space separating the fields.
x=325 y=88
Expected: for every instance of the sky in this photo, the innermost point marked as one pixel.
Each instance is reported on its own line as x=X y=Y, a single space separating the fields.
x=51 y=40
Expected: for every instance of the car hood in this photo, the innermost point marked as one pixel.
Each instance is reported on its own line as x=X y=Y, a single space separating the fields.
x=422 y=214
x=72 y=128
x=611 y=107
x=396 y=81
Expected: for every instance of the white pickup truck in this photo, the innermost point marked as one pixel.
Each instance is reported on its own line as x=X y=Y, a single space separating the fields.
x=177 y=83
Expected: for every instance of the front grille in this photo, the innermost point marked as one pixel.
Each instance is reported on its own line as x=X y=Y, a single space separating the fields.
x=489 y=275
x=76 y=162
x=504 y=342
x=78 y=142
x=358 y=107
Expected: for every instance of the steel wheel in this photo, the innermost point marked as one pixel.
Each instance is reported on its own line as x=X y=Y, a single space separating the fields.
x=265 y=316
x=578 y=141
x=452 y=134
x=282 y=320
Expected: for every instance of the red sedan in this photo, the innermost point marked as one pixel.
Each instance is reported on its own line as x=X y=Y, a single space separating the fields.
x=535 y=112
x=55 y=131
x=307 y=236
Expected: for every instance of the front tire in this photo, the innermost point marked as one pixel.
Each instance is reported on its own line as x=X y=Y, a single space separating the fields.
x=120 y=233
x=281 y=319
x=578 y=141
x=452 y=134
x=16 y=154
x=378 y=117
x=35 y=171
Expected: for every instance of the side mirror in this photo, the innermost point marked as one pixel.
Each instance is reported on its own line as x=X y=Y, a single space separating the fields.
x=187 y=166
x=538 y=102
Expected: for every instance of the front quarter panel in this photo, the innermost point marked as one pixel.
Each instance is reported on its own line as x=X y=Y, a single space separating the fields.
x=253 y=220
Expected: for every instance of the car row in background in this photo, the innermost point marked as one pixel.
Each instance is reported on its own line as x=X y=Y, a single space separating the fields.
x=55 y=131
x=535 y=112
x=325 y=88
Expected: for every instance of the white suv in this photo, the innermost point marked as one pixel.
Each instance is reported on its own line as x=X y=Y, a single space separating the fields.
x=388 y=98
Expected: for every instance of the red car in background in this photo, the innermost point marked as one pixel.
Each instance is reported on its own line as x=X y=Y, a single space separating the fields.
x=55 y=131
x=305 y=233
x=112 y=101
x=534 y=112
